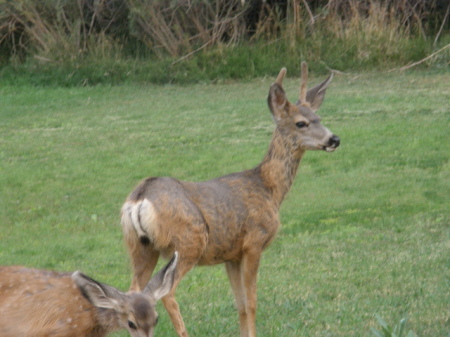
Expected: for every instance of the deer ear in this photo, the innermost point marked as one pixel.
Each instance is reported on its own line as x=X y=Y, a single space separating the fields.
x=160 y=285
x=277 y=101
x=315 y=95
x=99 y=294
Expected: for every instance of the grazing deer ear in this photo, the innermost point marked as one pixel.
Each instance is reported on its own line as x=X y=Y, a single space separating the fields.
x=315 y=95
x=99 y=294
x=277 y=100
x=160 y=285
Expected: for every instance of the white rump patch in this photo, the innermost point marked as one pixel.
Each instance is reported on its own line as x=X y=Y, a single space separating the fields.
x=141 y=217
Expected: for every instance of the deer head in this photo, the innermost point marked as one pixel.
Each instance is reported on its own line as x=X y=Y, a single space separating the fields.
x=134 y=311
x=299 y=122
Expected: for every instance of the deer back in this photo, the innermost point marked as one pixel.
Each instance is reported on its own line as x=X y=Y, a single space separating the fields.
x=43 y=303
x=38 y=303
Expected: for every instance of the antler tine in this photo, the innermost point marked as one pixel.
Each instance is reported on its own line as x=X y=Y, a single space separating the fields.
x=280 y=76
x=303 y=82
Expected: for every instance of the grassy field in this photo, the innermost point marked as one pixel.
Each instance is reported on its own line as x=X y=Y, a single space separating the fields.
x=365 y=229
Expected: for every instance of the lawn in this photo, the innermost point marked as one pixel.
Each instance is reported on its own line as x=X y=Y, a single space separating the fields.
x=365 y=229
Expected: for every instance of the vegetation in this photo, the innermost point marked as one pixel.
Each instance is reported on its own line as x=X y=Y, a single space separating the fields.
x=88 y=42
x=397 y=331
x=365 y=229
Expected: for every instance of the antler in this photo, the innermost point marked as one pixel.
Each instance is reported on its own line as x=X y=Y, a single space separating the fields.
x=303 y=83
x=280 y=76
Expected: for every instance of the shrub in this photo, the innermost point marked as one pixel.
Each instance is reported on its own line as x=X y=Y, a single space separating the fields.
x=89 y=42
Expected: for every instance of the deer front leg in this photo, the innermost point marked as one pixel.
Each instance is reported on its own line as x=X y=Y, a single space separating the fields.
x=234 y=275
x=249 y=273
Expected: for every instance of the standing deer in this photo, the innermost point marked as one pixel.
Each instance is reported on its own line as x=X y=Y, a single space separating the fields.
x=40 y=303
x=230 y=219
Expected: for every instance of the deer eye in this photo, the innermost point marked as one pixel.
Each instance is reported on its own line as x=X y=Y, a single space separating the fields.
x=300 y=124
x=132 y=325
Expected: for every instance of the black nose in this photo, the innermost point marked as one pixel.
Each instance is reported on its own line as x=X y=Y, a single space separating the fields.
x=335 y=141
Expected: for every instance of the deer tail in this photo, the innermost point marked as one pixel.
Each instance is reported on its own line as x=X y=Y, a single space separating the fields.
x=139 y=220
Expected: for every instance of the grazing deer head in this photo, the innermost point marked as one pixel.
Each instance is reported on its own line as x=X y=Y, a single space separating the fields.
x=38 y=303
x=230 y=219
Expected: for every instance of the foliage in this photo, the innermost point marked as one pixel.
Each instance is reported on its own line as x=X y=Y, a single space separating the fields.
x=397 y=331
x=90 y=42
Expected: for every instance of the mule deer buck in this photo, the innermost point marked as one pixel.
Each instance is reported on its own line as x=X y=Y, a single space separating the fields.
x=40 y=303
x=230 y=219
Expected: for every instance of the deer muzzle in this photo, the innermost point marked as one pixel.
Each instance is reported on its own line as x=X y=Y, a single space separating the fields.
x=333 y=143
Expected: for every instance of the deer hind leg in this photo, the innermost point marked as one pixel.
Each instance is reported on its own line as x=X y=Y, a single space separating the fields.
x=143 y=260
x=169 y=302
x=141 y=250
x=234 y=275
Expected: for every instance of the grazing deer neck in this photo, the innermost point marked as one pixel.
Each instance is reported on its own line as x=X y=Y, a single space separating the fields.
x=108 y=322
x=280 y=164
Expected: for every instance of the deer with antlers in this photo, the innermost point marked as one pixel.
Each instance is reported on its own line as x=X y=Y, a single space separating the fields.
x=230 y=219
x=41 y=303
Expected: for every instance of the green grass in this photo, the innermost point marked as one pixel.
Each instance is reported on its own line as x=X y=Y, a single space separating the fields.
x=242 y=62
x=365 y=229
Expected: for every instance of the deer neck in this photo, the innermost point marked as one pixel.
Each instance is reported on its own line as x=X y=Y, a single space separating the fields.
x=279 y=166
x=108 y=322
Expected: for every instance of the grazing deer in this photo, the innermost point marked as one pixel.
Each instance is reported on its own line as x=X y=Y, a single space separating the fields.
x=40 y=303
x=230 y=219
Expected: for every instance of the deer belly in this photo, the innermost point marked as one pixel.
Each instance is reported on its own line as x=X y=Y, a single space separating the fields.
x=224 y=244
